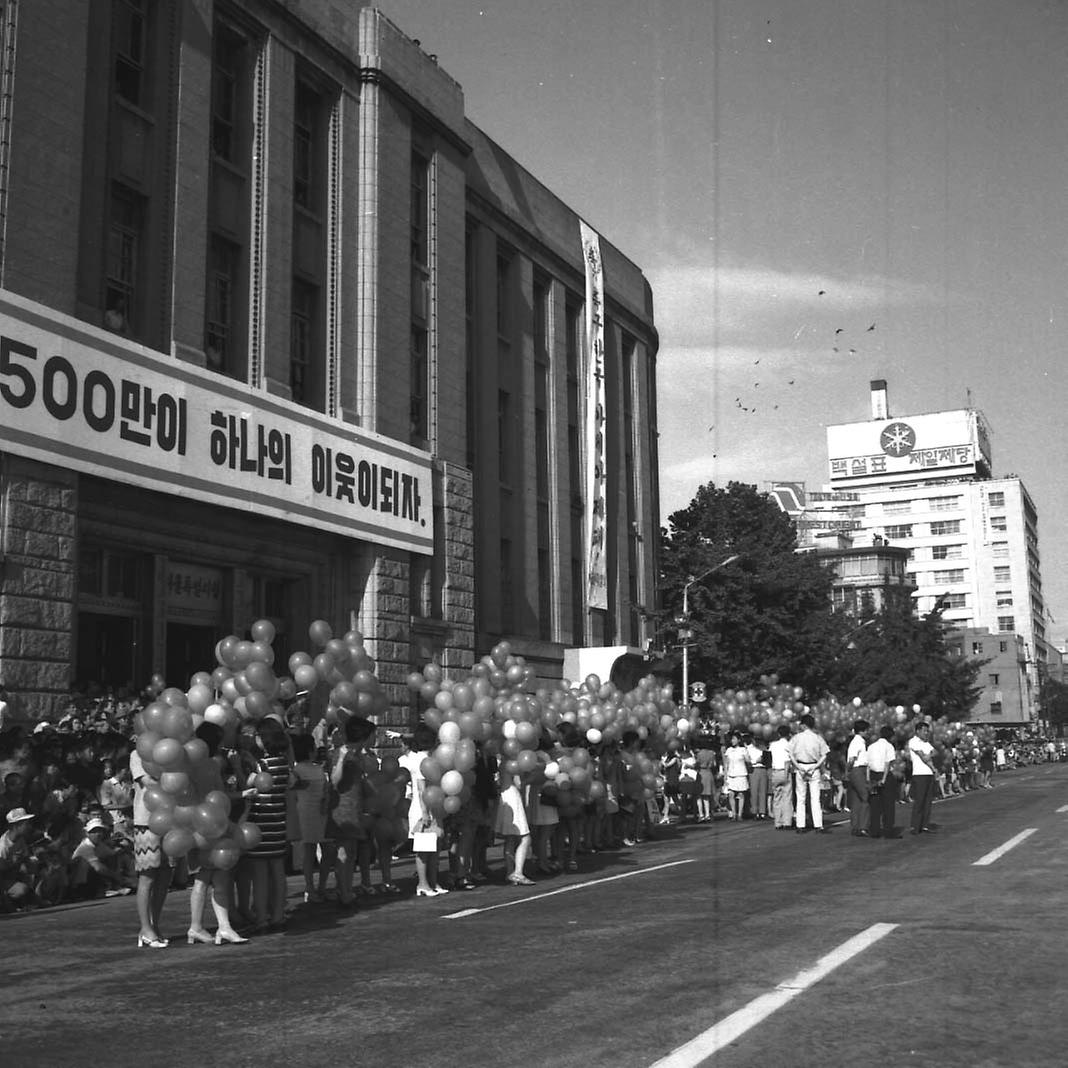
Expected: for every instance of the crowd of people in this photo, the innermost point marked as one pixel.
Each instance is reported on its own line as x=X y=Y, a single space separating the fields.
x=340 y=801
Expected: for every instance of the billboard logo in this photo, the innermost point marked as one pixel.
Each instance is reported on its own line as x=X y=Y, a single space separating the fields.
x=789 y=496
x=897 y=439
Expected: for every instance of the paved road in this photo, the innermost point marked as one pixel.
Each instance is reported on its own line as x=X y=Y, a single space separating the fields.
x=714 y=935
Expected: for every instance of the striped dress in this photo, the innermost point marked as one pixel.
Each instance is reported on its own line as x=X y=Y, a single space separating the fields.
x=268 y=810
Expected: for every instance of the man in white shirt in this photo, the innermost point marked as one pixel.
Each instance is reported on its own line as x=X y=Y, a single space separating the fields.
x=808 y=754
x=857 y=778
x=923 y=772
x=882 y=785
x=782 y=802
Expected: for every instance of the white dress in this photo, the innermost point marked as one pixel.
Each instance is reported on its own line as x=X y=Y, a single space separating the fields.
x=512 y=813
x=416 y=812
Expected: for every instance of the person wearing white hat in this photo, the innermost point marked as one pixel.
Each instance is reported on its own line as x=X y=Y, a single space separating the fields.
x=16 y=879
x=92 y=867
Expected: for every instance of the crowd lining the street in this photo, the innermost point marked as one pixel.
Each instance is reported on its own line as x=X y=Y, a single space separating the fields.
x=75 y=822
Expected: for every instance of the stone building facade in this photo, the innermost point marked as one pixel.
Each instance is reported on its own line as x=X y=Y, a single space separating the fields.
x=285 y=336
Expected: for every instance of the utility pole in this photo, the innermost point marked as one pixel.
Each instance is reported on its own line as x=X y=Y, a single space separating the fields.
x=685 y=619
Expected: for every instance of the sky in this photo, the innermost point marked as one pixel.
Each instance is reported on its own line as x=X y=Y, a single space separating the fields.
x=788 y=173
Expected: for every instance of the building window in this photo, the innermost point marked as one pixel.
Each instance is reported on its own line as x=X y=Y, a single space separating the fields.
x=945 y=526
x=999 y=549
x=903 y=530
x=995 y=708
x=977 y=648
x=419 y=264
x=543 y=453
x=999 y=523
x=129 y=35
x=504 y=295
x=302 y=318
x=124 y=267
x=947 y=552
x=954 y=600
x=228 y=60
x=944 y=504
x=306 y=139
x=1003 y=647
x=1003 y=573
x=897 y=507
x=222 y=284
x=1004 y=598
x=419 y=407
x=994 y=679
x=953 y=575
x=1007 y=624
x=996 y=499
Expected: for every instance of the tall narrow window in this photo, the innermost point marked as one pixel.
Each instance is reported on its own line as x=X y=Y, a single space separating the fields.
x=633 y=623
x=543 y=454
x=419 y=262
x=302 y=340
x=228 y=62
x=129 y=40
x=573 y=360
x=470 y=318
x=124 y=267
x=305 y=137
x=222 y=283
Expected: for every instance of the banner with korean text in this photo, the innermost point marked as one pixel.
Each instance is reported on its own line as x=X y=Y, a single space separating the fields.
x=596 y=494
x=80 y=397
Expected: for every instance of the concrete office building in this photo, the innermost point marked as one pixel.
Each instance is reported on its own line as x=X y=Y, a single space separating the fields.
x=924 y=482
x=284 y=335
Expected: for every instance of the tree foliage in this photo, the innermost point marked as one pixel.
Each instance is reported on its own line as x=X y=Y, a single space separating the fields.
x=904 y=660
x=767 y=612
x=1054 y=700
x=770 y=612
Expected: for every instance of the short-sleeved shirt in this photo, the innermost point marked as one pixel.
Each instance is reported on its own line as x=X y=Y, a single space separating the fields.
x=918 y=745
x=857 y=753
x=808 y=747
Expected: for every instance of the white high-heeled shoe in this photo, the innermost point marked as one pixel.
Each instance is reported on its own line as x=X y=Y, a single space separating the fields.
x=193 y=937
x=231 y=937
x=151 y=943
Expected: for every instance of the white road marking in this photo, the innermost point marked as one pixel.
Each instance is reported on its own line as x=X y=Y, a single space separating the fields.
x=732 y=1027
x=1003 y=849
x=565 y=889
x=1063 y=808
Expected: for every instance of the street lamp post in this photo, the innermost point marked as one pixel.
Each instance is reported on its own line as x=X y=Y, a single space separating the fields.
x=686 y=617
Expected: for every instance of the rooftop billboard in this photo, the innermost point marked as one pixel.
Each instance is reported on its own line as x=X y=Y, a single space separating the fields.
x=908 y=448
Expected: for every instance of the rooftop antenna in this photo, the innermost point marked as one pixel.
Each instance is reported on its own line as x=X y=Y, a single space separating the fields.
x=968 y=394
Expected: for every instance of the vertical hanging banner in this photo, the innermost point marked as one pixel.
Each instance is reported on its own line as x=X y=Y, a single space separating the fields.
x=596 y=493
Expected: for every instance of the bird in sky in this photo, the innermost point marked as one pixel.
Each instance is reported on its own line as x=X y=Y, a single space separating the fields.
x=871 y=328
x=839 y=330
x=821 y=293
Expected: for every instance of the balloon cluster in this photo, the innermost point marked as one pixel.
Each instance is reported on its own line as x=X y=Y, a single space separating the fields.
x=187 y=809
x=491 y=706
x=761 y=710
x=248 y=685
x=184 y=810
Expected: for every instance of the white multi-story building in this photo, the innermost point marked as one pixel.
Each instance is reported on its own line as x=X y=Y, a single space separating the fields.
x=924 y=482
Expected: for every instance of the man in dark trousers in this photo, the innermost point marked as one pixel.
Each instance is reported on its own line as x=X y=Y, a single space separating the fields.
x=857 y=778
x=882 y=785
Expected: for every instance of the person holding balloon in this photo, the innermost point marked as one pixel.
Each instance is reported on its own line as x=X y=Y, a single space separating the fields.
x=345 y=821
x=153 y=867
x=210 y=867
x=268 y=813
x=423 y=825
